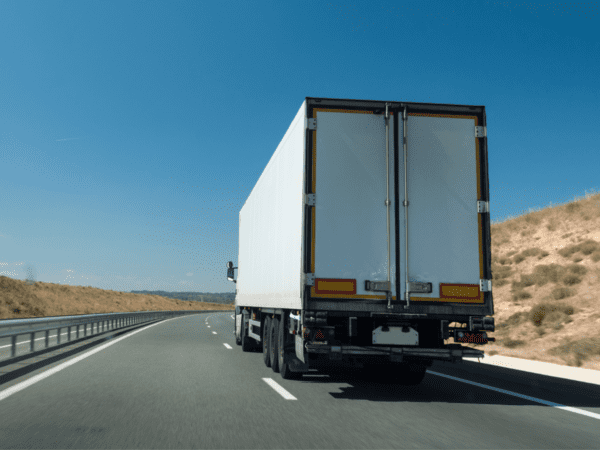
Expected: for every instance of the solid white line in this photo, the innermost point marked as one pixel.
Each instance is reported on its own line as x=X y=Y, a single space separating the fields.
x=214 y=332
x=228 y=346
x=285 y=394
x=39 y=377
x=526 y=397
x=50 y=336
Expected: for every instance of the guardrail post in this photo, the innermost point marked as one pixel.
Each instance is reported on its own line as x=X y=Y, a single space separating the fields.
x=32 y=341
x=58 y=335
x=69 y=335
x=13 y=346
x=84 y=329
x=47 y=337
x=77 y=333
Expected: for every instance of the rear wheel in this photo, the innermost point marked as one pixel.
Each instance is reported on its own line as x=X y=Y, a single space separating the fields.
x=266 y=332
x=284 y=365
x=274 y=344
x=247 y=345
x=238 y=340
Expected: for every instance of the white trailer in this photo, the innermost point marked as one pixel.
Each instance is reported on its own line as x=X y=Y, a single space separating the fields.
x=366 y=235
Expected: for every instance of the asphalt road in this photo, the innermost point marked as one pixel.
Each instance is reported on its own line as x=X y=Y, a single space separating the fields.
x=184 y=383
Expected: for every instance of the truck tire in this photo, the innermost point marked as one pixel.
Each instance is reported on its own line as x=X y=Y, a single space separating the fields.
x=266 y=332
x=284 y=365
x=238 y=340
x=247 y=345
x=274 y=344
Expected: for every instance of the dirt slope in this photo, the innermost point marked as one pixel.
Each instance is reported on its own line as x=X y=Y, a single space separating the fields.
x=546 y=285
x=19 y=300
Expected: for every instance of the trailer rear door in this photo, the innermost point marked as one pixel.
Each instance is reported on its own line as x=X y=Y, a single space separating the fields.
x=349 y=241
x=443 y=186
x=349 y=237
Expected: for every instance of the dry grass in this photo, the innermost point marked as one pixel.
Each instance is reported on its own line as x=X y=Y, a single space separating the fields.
x=20 y=299
x=546 y=284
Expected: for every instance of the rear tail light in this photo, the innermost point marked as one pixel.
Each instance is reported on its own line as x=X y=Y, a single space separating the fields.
x=472 y=337
x=318 y=334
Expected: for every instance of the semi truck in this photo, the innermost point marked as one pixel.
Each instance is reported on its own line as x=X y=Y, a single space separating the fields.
x=365 y=238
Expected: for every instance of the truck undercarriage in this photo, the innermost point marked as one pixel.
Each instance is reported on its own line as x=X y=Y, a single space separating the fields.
x=338 y=342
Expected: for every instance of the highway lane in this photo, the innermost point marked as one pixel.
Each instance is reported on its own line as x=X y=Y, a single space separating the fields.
x=184 y=383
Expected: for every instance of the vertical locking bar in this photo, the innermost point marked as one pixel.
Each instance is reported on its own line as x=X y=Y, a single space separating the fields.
x=387 y=199
x=405 y=204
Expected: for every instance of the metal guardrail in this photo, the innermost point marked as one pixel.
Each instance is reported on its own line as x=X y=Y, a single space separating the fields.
x=17 y=327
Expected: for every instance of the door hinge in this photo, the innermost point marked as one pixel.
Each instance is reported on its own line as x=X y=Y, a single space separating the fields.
x=419 y=287
x=309 y=279
x=480 y=132
x=483 y=207
x=310 y=124
x=310 y=199
x=384 y=286
x=485 y=285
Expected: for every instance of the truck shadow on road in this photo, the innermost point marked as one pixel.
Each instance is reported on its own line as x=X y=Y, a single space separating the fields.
x=436 y=387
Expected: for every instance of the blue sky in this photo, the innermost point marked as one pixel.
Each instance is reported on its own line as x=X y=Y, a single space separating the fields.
x=131 y=133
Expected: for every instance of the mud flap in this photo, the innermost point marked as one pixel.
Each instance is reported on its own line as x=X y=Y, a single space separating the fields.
x=296 y=365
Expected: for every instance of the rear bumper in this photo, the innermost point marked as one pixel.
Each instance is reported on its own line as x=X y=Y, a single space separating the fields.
x=452 y=352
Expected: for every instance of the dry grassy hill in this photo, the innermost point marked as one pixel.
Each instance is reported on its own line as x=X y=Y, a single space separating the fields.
x=546 y=285
x=20 y=299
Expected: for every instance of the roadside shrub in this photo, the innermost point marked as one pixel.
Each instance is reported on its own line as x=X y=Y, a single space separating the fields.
x=570 y=279
x=534 y=251
x=574 y=352
x=500 y=272
x=551 y=225
x=596 y=256
x=543 y=254
x=509 y=254
x=533 y=218
x=514 y=320
x=504 y=260
x=520 y=295
x=510 y=343
x=572 y=207
x=492 y=352
x=548 y=272
x=500 y=283
x=519 y=258
x=577 y=269
x=525 y=281
x=562 y=292
x=550 y=313
x=586 y=247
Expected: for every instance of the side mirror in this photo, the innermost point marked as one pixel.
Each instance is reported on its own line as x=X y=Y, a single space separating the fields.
x=230 y=273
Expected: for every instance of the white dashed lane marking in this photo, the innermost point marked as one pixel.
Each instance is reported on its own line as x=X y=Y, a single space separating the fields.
x=281 y=391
